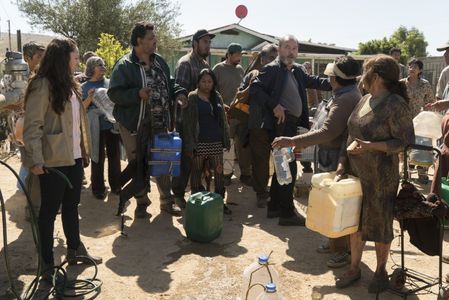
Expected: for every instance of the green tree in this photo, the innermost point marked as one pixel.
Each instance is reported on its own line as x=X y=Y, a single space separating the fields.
x=411 y=42
x=376 y=46
x=110 y=50
x=85 y=20
x=162 y=13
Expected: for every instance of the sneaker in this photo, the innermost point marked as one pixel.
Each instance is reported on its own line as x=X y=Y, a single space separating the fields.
x=81 y=255
x=339 y=259
x=347 y=279
x=227 y=180
x=141 y=211
x=171 y=208
x=294 y=220
x=246 y=180
x=324 y=248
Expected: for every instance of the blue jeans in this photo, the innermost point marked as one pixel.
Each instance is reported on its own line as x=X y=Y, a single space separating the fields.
x=23 y=173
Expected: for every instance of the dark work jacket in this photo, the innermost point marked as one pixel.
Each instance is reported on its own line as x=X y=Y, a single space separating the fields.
x=127 y=78
x=266 y=90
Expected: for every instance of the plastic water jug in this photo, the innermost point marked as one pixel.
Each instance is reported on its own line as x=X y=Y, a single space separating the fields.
x=102 y=101
x=428 y=124
x=165 y=154
x=204 y=217
x=420 y=157
x=260 y=272
x=445 y=194
x=282 y=157
x=334 y=207
x=270 y=293
x=306 y=154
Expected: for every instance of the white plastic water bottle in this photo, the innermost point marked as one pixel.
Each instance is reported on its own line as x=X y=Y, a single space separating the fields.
x=282 y=157
x=270 y=293
x=259 y=272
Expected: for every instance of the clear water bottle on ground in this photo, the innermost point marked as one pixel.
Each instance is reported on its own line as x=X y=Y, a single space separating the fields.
x=282 y=157
x=270 y=293
x=260 y=273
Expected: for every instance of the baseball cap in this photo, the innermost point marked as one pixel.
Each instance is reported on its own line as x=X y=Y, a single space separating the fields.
x=444 y=47
x=234 y=48
x=202 y=33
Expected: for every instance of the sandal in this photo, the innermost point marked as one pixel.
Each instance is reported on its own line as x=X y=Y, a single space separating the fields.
x=324 y=248
x=346 y=279
x=339 y=260
x=379 y=283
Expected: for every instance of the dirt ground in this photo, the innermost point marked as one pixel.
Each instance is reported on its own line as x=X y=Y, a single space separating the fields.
x=157 y=261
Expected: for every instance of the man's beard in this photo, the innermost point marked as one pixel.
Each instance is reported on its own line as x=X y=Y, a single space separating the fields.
x=288 y=61
x=204 y=55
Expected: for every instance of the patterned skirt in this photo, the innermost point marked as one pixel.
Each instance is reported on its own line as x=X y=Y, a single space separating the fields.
x=209 y=149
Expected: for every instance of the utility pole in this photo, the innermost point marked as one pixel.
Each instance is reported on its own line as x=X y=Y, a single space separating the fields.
x=9 y=33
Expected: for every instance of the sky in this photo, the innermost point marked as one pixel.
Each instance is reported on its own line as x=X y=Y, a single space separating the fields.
x=344 y=23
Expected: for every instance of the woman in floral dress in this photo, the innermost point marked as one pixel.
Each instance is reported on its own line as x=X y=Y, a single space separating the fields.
x=381 y=126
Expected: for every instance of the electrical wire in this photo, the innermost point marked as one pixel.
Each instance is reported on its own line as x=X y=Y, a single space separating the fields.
x=61 y=287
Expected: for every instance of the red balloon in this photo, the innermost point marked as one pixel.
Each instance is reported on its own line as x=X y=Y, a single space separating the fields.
x=241 y=11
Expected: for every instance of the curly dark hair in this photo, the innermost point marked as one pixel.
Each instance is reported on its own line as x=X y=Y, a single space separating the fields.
x=55 y=67
x=139 y=31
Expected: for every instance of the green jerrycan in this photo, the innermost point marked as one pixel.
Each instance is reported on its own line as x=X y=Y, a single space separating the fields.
x=204 y=217
x=445 y=195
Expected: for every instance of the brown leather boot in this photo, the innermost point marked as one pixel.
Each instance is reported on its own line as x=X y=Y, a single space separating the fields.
x=81 y=251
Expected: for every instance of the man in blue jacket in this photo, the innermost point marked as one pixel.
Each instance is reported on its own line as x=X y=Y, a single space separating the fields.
x=280 y=106
x=142 y=89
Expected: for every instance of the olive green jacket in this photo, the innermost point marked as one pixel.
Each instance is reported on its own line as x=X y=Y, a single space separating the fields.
x=47 y=135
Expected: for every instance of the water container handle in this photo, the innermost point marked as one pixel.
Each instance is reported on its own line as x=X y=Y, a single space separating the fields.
x=197 y=201
x=165 y=136
x=327 y=182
